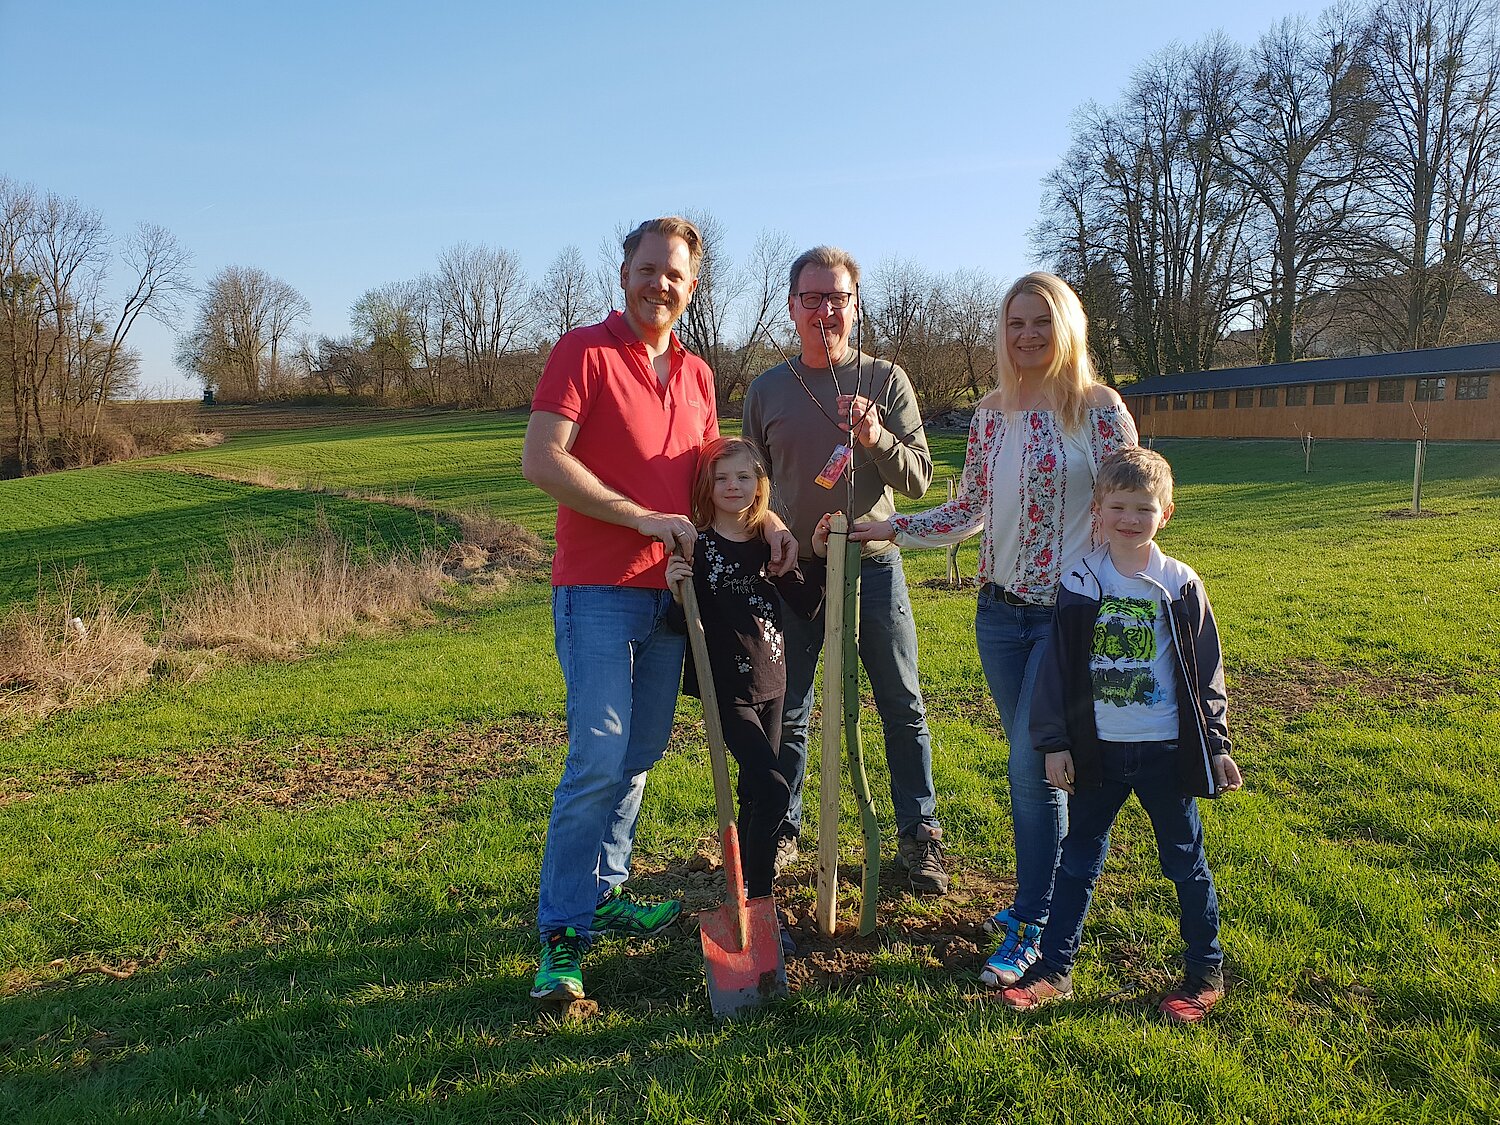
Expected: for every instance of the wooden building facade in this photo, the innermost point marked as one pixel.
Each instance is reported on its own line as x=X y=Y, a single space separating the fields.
x=1454 y=391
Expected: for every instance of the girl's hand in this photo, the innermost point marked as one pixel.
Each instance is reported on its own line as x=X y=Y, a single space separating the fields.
x=679 y=570
x=872 y=531
x=820 y=535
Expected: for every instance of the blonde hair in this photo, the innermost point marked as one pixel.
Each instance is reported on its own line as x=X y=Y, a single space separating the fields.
x=703 y=486
x=1071 y=372
x=669 y=226
x=1135 y=470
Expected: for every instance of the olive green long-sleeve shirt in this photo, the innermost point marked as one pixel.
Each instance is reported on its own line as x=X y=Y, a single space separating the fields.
x=799 y=438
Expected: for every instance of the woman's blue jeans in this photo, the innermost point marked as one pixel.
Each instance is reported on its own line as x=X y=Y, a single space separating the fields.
x=1012 y=641
x=622 y=667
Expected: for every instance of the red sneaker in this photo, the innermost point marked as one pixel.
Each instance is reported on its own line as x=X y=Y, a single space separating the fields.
x=1191 y=1001
x=1038 y=986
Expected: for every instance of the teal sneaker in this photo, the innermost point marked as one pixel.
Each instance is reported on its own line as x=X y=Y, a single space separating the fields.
x=561 y=973
x=1020 y=946
x=620 y=914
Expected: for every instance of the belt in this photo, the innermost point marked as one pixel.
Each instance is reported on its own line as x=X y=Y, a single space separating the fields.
x=1001 y=594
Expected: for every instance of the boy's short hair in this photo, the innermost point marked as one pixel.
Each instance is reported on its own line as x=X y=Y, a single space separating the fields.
x=1135 y=470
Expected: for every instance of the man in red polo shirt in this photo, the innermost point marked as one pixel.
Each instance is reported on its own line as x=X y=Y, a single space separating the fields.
x=619 y=416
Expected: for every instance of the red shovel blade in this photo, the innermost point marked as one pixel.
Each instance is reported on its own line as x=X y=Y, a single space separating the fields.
x=741 y=973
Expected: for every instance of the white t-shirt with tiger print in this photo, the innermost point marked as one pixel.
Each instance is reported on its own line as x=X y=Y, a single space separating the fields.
x=1131 y=663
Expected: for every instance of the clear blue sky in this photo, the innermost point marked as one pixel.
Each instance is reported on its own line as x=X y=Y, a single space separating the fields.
x=343 y=146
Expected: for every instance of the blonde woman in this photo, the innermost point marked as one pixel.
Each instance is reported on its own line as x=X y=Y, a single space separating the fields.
x=1035 y=444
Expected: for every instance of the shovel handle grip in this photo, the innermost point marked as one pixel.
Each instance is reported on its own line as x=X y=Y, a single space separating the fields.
x=709 y=697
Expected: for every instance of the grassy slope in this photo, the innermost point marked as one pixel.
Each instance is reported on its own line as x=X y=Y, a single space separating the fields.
x=368 y=958
x=124 y=524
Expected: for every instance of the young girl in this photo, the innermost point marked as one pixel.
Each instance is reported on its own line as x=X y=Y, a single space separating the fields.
x=742 y=622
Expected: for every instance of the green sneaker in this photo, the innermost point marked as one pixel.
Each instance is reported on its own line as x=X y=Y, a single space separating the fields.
x=561 y=973
x=619 y=914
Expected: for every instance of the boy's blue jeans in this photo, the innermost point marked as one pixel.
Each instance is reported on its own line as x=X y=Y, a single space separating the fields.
x=1149 y=770
x=622 y=667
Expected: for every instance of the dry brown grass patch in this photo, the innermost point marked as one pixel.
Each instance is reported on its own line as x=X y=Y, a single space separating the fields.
x=72 y=648
x=280 y=598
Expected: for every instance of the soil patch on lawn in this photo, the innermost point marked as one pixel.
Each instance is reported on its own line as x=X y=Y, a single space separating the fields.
x=218 y=780
x=1300 y=686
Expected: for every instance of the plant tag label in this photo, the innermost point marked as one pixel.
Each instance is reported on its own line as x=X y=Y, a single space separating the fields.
x=836 y=466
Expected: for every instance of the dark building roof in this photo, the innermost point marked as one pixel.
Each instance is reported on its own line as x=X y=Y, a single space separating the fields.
x=1464 y=359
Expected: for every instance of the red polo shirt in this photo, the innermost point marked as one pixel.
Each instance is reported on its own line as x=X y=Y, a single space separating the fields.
x=637 y=436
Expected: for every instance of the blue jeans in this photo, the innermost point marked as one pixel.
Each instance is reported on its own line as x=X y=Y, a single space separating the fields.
x=1149 y=769
x=1012 y=641
x=888 y=651
x=622 y=667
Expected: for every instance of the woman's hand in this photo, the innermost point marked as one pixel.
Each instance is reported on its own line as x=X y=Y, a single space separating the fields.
x=872 y=531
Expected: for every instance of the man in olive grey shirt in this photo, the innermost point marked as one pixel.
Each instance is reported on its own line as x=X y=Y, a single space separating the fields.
x=827 y=413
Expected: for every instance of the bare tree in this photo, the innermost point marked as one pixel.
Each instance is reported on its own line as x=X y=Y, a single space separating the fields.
x=970 y=315
x=234 y=345
x=566 y=298
x=63 y=339
x=1299 y=149
x=706 y=326
x=1435 y=179
x=483 y=293
x=1143 y=208
x=386 y=322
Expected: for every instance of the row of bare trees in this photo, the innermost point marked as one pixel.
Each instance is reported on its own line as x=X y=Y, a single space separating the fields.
x=64 y=326
x=476 y=331
x=1336 y=187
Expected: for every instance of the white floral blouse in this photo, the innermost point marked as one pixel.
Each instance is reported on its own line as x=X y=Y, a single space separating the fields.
x=1027 y=484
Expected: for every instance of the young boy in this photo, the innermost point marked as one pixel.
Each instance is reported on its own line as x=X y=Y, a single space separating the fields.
x=1130 y=698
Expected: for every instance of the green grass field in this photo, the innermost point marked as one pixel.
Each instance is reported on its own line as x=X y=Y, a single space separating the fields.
x=305 y=891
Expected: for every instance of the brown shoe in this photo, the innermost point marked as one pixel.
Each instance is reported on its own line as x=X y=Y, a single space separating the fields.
x=1039 y=986
x=920 y=855
x=1191 y=1000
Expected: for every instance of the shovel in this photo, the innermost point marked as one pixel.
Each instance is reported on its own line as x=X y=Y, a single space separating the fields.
x=742 y=939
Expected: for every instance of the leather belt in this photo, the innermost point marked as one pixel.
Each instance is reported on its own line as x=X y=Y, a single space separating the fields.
x=1000 y=593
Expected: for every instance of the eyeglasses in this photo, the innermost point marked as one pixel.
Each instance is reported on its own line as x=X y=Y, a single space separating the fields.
x=811 y=300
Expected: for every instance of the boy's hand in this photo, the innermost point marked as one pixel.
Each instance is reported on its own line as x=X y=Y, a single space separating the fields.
x=1060 y=770
x=820 y=535
x=1227 y=775
x=679 y=570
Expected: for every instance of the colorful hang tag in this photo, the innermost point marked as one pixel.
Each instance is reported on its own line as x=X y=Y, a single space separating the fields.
x=836 y=466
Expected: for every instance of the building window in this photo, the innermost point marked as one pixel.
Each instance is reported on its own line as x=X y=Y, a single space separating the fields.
x=1179 y=402
x=1392 y=390
x=1323 y=394
x=1268 y=396
x=1245 y=396
x=1431 y=390
x=1472 y=386
x=1143 y=404
x=1296 y=396
x=1357 y=392
x=1163 y=402
x=1200 y=400
x=1221 y=400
